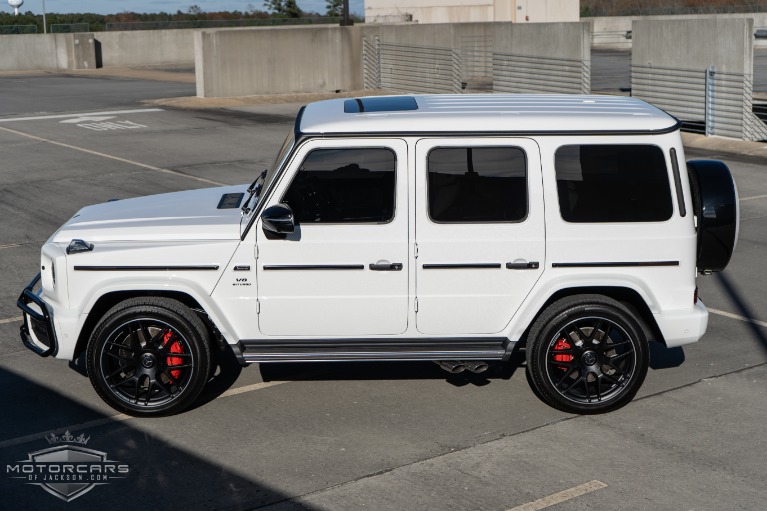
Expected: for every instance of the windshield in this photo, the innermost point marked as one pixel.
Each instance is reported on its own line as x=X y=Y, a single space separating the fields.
x=257 y=189
x=287 y=146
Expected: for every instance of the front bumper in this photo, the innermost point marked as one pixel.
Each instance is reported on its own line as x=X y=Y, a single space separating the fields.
x=37 y=331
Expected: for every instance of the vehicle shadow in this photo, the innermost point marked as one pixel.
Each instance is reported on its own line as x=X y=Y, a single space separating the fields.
x=340 y=371
x=161 y=475
x=743 y=308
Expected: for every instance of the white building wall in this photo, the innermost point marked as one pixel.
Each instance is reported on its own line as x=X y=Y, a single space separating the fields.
x=457 y=11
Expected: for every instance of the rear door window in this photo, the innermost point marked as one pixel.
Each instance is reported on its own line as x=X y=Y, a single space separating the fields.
x=613 y=183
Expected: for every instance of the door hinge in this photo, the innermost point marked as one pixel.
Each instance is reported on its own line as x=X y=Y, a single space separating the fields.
x=415 y=250
x=416 y=304
x=258 y=307
x=256 y=251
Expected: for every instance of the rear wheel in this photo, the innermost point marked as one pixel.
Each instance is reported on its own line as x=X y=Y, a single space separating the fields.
x=149 y=356
x=588 y=355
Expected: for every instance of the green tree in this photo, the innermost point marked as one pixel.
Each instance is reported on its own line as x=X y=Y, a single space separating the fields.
x=284 y=8
x=334 y=7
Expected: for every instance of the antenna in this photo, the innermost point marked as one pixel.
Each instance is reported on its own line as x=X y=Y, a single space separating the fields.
x=15 y=4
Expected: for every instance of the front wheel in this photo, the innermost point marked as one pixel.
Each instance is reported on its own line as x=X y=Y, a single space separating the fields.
x=588 y=355
x=149 y=357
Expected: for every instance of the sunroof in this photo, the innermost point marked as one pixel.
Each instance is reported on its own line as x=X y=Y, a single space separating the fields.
x=380 y=104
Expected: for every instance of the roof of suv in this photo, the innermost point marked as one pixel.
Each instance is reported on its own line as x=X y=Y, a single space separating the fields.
x=484 y=113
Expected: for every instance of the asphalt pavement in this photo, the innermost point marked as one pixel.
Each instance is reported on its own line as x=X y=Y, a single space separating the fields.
x=352 y=436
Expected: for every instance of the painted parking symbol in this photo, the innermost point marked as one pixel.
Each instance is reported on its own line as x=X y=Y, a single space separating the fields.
x=102 y=123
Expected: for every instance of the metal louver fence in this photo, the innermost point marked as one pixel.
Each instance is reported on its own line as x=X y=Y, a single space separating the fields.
x=533 y=75
x=706 y=101
x=419 y=69
x=371 y=63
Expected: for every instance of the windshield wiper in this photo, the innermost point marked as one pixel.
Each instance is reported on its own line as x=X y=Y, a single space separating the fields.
x=254 y=189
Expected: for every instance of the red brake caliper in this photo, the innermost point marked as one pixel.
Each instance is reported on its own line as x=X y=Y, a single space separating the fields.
x=171 y=343
x=562 y=345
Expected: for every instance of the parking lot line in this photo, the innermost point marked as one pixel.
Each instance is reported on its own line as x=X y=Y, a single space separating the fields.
x=754 y=197
x=88 y=114
x=739 y=318
x=111 y=157
x=10 y=320
x=562 y=496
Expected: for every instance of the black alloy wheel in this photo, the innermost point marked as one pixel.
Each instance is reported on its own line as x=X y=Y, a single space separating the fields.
x=149 y=356
x=588 y=355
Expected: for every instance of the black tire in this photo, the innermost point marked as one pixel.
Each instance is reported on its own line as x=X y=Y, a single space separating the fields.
x=587 y=354
x=149 y=357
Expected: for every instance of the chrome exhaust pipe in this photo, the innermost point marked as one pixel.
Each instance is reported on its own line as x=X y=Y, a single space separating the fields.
x=475 y=366
x=451 y=366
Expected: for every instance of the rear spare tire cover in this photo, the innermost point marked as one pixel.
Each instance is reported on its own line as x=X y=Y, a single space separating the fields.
x=715 y=199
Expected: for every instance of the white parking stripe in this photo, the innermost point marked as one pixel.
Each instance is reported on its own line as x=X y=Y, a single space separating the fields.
x=117 y=158
x=739 y=318
x=560 y=497
x=754 y=197
x=65 y=116
x=10 y=320
x=121 y=416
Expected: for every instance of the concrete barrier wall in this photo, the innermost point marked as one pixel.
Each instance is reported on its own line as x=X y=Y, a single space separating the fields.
x=47 y=51
x=147 y=47
x=253 y=61
x=542 y=57
x=700 y=70
x=609 y=31
x=694 y=44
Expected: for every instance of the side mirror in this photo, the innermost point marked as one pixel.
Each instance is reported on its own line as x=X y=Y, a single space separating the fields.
x=278 y=219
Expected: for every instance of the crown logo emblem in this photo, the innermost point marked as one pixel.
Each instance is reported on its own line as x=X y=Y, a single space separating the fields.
x=67 y=438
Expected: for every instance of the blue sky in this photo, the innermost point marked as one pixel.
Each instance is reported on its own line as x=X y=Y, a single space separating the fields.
x=115 y=6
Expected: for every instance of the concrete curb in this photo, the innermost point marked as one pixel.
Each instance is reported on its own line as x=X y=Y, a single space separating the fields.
x=725 y=145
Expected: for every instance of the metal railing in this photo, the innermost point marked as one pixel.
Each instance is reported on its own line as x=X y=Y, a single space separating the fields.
x=256 y=22
x=18 y=29
x=371 y=62
x=419 y=69
x=530 y=74
x=69 y=28
x=705 y=100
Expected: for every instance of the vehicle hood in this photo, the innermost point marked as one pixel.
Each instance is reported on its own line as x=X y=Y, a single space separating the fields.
x=189 y=215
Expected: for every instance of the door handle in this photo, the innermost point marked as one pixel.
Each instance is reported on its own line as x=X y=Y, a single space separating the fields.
x=385 y=266
x=522 y=265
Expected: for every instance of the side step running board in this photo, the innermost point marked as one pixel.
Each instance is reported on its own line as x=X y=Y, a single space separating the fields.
x=302 y=350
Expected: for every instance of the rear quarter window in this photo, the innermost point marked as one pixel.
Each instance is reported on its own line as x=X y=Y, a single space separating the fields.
x=612 y=183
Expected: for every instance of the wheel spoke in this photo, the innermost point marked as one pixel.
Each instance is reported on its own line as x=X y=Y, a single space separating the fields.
x=586 y=386
x=618 y=357
x=126 y=380
x=593 y=335
x=615 y=382
x=598 y=385
x=576 y=382
x=134 y=340
x=620 y=372
x=148 y=392
x=120 y=346
x=118 y=357
x=182 y=366
x=566 y=375
x=117 y=371
x=619 y=344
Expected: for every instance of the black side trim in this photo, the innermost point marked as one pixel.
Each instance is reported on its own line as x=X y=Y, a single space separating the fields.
x=615 y=264
x=461 y=266
x=314 y=267
x=147 y=268
x=678 y=183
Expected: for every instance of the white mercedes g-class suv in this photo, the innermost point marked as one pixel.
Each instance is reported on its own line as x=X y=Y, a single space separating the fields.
x=448 y=228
